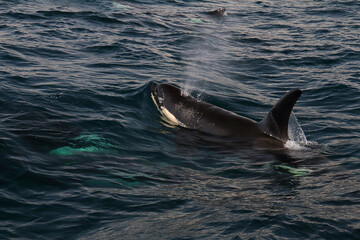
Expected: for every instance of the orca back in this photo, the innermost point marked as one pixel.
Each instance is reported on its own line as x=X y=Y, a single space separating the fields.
x=189 y=112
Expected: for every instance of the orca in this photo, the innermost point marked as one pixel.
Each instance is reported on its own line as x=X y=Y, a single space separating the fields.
x=186 y=111
x=218 y=12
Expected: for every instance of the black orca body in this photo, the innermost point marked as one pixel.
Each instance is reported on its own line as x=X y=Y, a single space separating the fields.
x=188 y=112
x=218 y=12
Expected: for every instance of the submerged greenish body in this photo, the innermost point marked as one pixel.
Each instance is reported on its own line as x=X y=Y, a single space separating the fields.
x=87 y=143
x=297 y=172
x=66 y=151
x=194 y=20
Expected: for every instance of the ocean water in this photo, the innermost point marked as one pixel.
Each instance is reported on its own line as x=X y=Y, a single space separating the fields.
x=85 y=154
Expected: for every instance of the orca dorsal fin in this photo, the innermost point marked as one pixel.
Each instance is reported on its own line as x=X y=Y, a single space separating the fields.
x=276 y=121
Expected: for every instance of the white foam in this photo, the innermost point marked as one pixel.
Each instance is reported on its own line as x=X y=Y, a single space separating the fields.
x=297 y=138
x=295 y=131
x=293 y=145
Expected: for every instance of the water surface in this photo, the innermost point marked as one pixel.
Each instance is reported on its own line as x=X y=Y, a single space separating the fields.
x=85 y=154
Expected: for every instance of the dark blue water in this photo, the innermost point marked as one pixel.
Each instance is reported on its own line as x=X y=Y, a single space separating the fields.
x=85 y=154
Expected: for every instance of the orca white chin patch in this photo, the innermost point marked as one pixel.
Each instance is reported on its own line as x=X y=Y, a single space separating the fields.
x=168 y=116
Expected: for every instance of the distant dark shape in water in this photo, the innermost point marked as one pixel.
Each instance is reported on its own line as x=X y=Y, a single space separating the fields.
x=183 y=110
x=218 y=12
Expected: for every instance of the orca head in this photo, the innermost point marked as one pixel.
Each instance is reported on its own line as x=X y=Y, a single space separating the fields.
x=164 y=94
x=166 y=97
x=155 y=95
x=277 y=120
